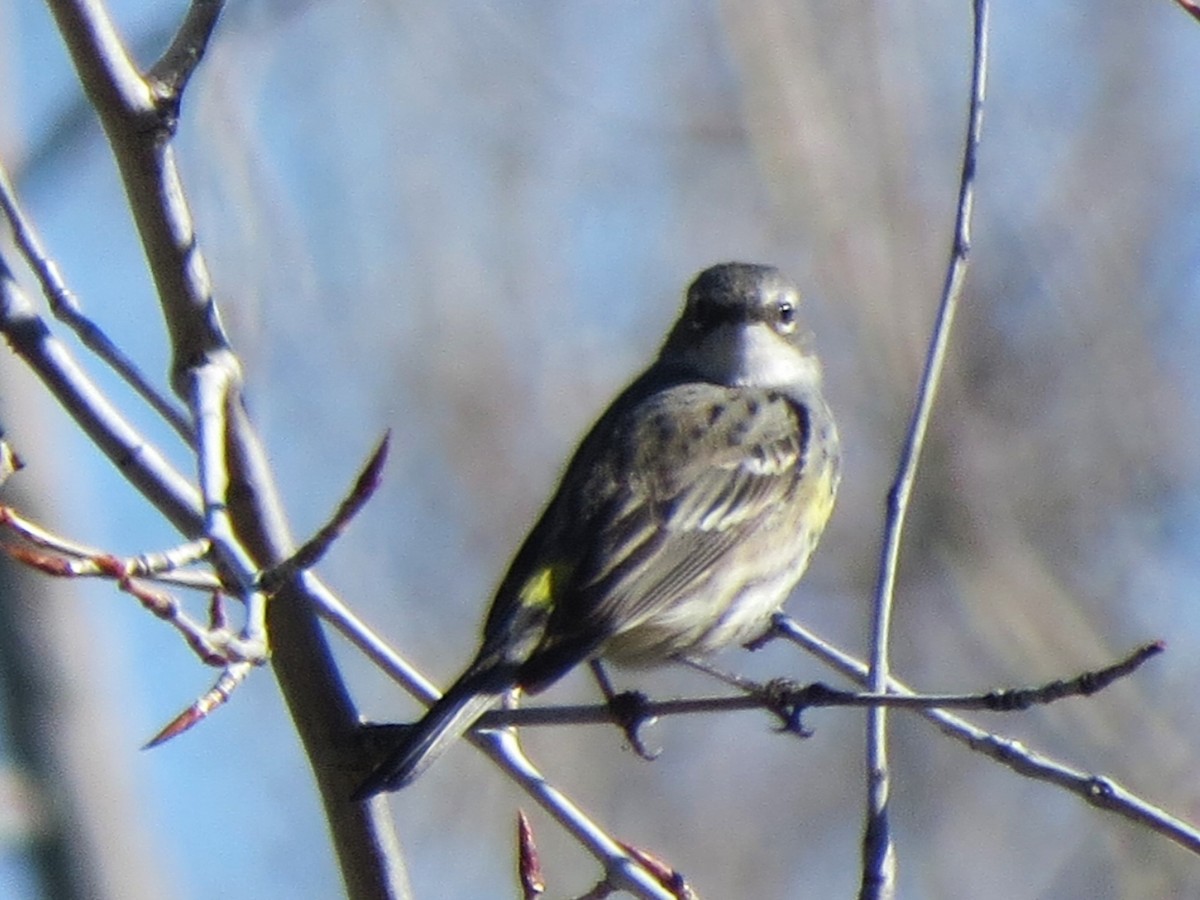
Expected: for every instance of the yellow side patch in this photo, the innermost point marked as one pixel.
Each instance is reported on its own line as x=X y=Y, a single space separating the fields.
x=539 y=589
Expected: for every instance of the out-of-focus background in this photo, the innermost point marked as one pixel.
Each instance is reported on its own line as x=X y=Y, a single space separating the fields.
x=471 y=222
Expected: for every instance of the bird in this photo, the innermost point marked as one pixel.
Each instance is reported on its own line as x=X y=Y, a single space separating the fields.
x=681 y=523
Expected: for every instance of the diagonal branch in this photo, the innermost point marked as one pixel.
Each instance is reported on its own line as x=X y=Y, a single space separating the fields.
x=139 y=129
x=239 y=495
x=135 y=458
x=170 y=74
x=507 y=755
x=1097 y=790
x=66 y=308
x=314 y=548
x=322 y=711
x=106 y=70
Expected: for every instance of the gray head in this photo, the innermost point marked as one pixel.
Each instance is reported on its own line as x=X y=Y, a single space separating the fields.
x=740 y=326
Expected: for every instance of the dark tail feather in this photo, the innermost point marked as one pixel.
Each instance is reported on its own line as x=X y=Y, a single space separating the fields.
x=445 y=722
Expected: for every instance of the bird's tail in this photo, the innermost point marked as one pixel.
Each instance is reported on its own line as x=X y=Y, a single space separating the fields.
x=446 y=721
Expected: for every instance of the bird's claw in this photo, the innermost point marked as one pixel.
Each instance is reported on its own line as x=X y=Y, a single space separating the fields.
x=629 y=710
x=788 y=700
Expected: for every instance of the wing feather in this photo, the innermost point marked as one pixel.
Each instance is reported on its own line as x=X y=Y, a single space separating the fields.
x=702 y=465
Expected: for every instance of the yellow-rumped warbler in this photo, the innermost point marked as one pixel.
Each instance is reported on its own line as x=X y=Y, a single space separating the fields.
x=683 y=520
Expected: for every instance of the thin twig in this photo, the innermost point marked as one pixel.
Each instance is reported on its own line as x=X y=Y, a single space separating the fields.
x=879 y=859
x=505 y=754
x=784 y=696
x=139 y=127
x=311 y=552
x=622 y=868
x=206 y=644
x=170 y=74
x=1097 y=790
x=212 y=384
x=66 y=308
x=138 y=461
x=75 y=559
x=231 y=677
x=35 y=534
x=139 y=130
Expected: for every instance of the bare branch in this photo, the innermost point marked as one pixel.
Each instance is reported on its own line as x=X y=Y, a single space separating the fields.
x=107 y=73
x=212 y=384
x=138 y=131
x=35 y=534
x=139 y=125
x=166 y=566
x=312 y=551
x=171 y=73
x=135 y=458
x=1097 y=790
x=66 y=309
x=194 y=714
x=879 y=853
x=788 y=699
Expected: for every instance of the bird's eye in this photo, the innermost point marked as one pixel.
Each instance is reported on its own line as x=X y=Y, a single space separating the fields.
x=786 y=315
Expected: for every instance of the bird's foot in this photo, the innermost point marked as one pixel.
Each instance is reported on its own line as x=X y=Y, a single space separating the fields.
x=789 y=699
x=630 y=710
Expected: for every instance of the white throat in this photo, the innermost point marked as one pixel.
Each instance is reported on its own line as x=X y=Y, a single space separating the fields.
x=752 y=356
x=764 y=359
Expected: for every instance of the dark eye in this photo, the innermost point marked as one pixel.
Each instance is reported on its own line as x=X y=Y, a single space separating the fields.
x=786 y=315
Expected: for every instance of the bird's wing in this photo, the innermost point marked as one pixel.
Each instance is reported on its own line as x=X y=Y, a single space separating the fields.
x=698 y=467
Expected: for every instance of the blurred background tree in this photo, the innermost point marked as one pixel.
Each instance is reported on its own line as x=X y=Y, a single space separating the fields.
x=471 y=221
